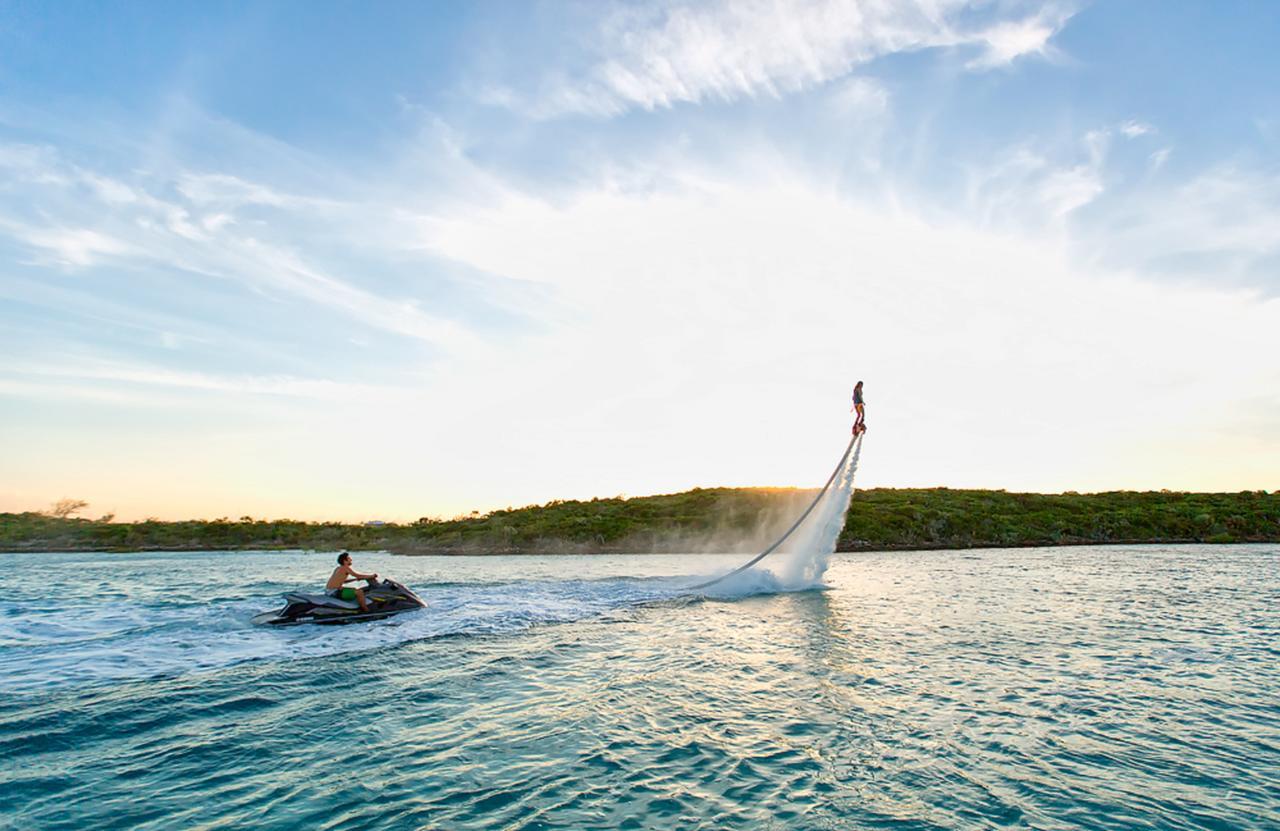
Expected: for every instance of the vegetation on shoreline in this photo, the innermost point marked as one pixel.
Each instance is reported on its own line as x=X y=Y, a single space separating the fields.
x=884 y=518
x=713 y=519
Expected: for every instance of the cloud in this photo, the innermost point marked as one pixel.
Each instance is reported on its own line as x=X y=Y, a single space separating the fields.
x=1009 y=40
x=656 y=58
x=696 y=322
x=742 y=304
x=69 y=246
x=30 y=163
x=192 y=222
x=90 y=369
x=1066 y=190
x=1029 y=187
x=859 y=96
x=223 y=189
x=1134 y=129
x=277 y=267
x=1220 y=226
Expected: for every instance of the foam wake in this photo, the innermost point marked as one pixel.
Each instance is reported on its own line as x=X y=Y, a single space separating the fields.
x=120 y=642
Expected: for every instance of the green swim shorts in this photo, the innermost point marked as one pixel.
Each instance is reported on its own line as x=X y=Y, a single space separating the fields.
x=344 y=594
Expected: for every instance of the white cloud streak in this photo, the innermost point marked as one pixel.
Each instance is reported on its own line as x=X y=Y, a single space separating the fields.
x=1134 y=129
x=1010 y=40
x=133 y=222
x=723 y=51
x=70 y=246
x=1222 y=226
x=85 y=368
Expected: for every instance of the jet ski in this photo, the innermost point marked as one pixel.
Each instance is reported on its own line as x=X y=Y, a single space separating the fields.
x=384 y=598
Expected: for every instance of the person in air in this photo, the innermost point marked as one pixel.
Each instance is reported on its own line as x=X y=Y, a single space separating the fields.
x=860 y=423
x=344 y=574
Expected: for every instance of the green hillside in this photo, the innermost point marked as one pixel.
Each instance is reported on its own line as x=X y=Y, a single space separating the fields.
x=712 y=519
x=944 y=518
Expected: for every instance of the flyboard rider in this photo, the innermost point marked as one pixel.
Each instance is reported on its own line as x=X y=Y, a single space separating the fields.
x=860 y=423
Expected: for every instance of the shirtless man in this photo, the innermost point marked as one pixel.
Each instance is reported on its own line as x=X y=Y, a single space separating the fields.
x=344 y=574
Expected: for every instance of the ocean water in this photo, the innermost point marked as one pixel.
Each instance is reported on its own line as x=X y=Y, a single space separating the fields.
x=1099 y=688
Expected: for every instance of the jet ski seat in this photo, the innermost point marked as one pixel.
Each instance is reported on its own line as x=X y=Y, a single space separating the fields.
x=322 y=600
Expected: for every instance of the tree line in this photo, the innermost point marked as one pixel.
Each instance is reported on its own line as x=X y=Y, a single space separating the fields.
x=704 y=519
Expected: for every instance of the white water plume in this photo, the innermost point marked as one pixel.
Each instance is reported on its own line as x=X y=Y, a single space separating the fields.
x=807 y=554
x=804 y=556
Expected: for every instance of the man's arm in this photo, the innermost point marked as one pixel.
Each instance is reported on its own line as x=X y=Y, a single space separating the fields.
x=355 y=575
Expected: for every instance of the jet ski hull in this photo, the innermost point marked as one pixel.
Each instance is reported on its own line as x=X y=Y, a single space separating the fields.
x=385 y=599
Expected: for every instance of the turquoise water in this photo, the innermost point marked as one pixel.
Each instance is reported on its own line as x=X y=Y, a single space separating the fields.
x=1065 y=688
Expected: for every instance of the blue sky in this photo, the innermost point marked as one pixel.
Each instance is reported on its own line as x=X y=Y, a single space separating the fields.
x=334 y=260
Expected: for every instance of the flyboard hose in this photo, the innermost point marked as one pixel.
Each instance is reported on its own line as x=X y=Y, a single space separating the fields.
x=856 y=440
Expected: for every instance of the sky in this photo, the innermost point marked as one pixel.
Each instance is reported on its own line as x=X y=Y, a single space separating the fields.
x=393 y=260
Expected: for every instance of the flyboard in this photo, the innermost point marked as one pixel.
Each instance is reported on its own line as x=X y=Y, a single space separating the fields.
x=856 y=441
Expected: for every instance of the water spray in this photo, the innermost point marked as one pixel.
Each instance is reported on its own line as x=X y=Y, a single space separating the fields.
x=848 y=465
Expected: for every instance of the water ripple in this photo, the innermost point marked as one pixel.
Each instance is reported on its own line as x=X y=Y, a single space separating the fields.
x=1085 y=688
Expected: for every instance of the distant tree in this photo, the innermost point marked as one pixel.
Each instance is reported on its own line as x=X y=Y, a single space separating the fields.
x=106 y=517
x=64 y=508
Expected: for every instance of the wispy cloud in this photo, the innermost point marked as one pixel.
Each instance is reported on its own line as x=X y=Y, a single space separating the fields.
x=228 y=191
x=1031 y=187
x=860 y=97
x=121 y=376
x=1134 y=129
x=79 y=218
x=1223 y=225
x=69 y=246
x=1009 y=40
x=686 y=53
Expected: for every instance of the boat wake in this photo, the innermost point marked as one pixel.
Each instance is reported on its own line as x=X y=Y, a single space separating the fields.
x=115 y=642
x=118 y=642
x=109 y=619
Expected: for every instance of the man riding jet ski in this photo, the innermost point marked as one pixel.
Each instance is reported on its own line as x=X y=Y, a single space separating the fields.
x=343 y=604
x=344 y=574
